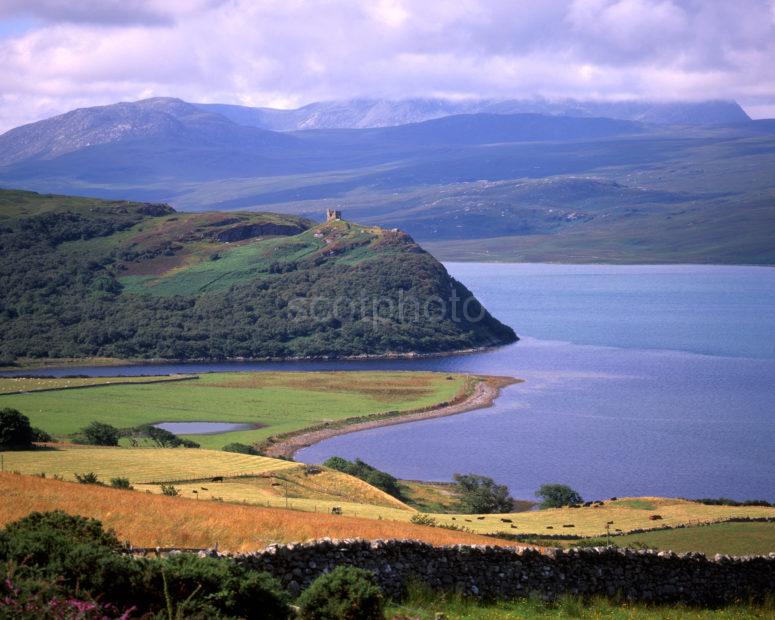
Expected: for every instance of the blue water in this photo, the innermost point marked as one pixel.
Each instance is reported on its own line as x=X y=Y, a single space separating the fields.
x=656 y=380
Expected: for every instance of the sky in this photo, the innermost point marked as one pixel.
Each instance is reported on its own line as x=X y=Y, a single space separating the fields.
x=57 y=55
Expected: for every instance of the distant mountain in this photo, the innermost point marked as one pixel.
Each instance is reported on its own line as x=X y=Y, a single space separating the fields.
x=523 y=186
x=84 y=277
x=160 y=120
x=365 y=113
x=166 y=140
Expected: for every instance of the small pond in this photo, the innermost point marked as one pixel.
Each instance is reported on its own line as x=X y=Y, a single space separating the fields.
x=202 y=428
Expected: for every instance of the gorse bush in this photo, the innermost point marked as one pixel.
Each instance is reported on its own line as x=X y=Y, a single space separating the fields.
x=54 y=565
x=346 y=593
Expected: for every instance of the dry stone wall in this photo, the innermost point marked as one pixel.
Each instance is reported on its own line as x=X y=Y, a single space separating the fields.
x=503 y=572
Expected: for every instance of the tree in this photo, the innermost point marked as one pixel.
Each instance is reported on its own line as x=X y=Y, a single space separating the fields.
x=360 y=469
x=481 y=495
x=15 y=430
x=557 y=495
x=99 y=434
x=162 y=438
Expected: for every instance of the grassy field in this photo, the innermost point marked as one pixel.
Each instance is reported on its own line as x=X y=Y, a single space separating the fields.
x=725 y=538
x=275 y=402
x=153 y=520
x=626 y=513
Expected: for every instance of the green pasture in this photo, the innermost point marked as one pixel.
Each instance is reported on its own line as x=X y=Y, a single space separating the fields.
x=275 y=402
x=725 y=538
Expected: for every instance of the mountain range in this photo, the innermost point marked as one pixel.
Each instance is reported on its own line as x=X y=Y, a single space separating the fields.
x=366 y=113
x=572 y=181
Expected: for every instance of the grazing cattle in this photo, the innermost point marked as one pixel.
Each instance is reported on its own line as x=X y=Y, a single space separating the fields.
x=216 y=479
x=569 y=525
x=336 y=510
x=480 y=518
x=204 y=488
x=506 y=520
x=655 y=517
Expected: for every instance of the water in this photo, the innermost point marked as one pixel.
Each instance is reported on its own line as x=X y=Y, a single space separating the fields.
x=202 y=428
x=655 y=380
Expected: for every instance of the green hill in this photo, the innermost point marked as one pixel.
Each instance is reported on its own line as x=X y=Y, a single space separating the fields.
x=84 y=277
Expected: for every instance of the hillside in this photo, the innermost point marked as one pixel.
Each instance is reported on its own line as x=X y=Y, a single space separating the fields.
x=566 y=182
x=84 y=277
x=149 y=520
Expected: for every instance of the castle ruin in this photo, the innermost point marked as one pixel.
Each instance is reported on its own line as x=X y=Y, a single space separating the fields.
x=332 y=215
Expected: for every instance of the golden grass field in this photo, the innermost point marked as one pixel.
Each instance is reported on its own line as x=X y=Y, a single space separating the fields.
x=626 y=514
x=295 y=488
x=265 y=481
x=148 y=520
x=140 y=465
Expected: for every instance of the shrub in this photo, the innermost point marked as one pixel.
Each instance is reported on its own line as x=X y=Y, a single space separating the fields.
x=88 y=478
x=346 y=593
x=15 y=430
x=121 y=483
x=169 y=490
x=557 y=495
x=480 y=495
x=423 y=519
x=99 y=434
x=210 y=587
x=241 y=448
x=74 y=554
x=51 y=558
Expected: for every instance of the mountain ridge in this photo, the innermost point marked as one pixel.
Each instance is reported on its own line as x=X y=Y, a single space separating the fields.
x=368 y=113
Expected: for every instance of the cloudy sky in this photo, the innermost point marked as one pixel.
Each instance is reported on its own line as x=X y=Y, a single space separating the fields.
x=56 y=55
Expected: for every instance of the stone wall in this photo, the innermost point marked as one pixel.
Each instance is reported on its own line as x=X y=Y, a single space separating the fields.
x=503 y=572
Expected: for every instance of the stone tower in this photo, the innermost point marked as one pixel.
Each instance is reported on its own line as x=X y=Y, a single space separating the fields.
x=332 y=215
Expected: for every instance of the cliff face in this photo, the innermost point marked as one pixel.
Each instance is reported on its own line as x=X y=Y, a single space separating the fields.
x=84 y=277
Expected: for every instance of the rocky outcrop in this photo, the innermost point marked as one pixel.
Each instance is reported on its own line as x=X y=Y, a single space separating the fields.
x=249 y=231
x=503 y=572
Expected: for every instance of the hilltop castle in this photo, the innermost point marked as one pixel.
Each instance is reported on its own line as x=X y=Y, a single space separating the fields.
x=332 y=215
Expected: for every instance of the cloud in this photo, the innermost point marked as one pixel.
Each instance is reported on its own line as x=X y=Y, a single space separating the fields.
x=291 y=52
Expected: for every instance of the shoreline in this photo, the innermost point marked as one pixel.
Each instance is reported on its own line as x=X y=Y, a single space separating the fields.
x=483 y=395
x=107 y=362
